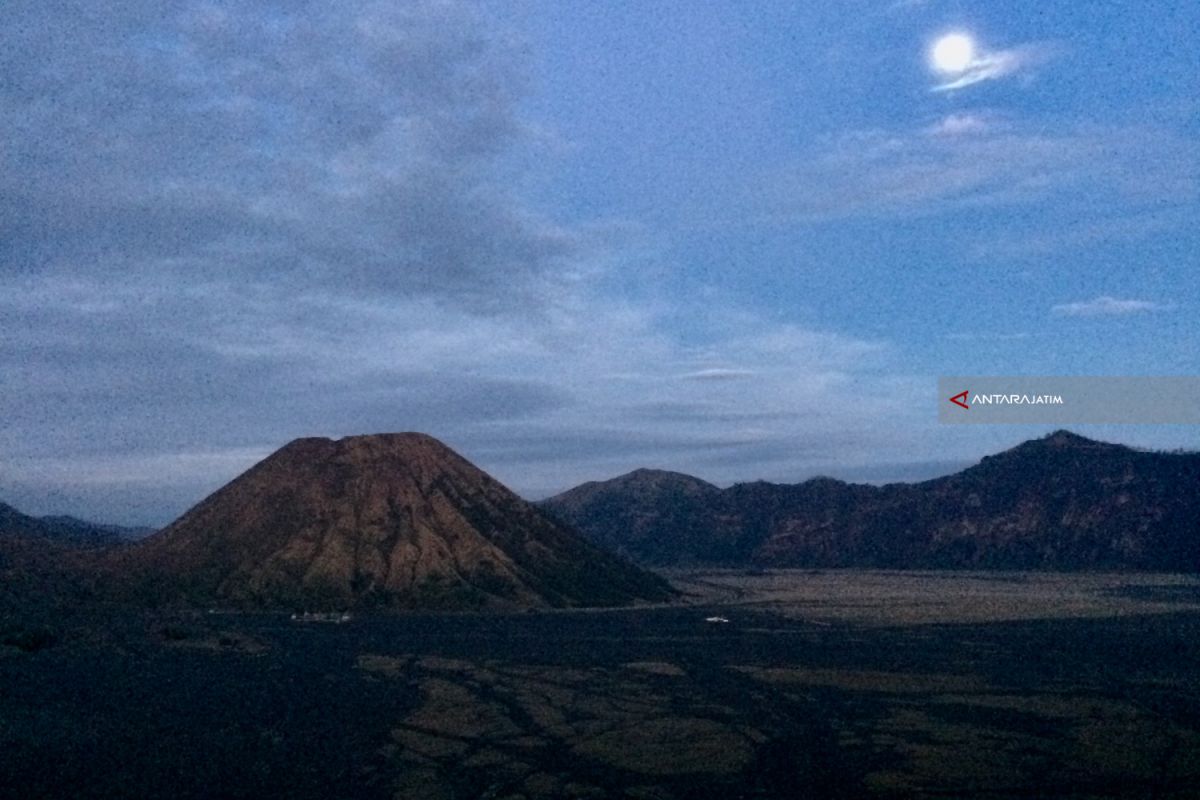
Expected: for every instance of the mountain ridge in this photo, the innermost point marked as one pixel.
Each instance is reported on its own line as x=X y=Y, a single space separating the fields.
x=69 y=529
x=1059 y=502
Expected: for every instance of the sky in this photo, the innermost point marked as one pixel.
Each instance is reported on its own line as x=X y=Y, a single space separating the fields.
x=738 y=240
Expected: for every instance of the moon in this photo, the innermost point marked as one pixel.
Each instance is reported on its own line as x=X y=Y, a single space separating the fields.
x=952 y=53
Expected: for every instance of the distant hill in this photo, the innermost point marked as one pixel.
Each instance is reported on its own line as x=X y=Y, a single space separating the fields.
x=396 y=520
x=14 y=523
x=45 y=561
x=73 y=526
x=653 y=516
x=1059 y=502
x=68 y=530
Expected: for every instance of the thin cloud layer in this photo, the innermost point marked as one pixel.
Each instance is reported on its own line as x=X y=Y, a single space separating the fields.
x=1105 y=306
x=972 y=161
x=960 y=125
x=718 y=374
x=540 y=404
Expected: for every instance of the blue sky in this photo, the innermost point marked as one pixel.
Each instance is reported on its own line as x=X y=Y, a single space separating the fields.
x=737 y=240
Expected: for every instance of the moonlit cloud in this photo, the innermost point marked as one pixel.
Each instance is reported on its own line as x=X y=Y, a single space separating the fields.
x=1106 y=306
x=996 y=64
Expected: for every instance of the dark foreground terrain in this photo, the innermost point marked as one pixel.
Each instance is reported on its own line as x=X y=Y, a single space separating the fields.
x=822 y=684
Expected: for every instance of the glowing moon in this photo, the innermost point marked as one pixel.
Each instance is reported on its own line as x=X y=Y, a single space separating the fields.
x=952 y=53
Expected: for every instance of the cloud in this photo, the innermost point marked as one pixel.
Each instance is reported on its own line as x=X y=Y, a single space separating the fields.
x=996 y=64
x=366 y=149
x=130 y=401
x=959 y=125
x=150 y=470
x=965 y=162
x=988 y=337
x=718 y=374
x=228 y=226
x=1105 y=306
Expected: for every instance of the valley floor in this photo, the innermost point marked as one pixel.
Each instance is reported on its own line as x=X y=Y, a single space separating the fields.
x=821 y=684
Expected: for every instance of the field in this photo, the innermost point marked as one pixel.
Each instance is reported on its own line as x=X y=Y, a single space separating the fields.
x=821 y=684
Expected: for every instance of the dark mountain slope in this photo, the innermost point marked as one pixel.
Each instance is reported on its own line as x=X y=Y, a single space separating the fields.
x=13 y=522
x=86 y=529
x=66 y=530
x=656 y=516
x=1060 y=502
x=44 y=564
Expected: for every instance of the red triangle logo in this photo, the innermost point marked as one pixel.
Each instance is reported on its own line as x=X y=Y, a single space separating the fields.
x=960 y=399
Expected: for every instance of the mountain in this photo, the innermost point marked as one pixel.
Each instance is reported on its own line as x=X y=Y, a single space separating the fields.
x=18 y=530
x=396 y=520
x=85 y=529
x=44 y=562
x=25 y=543
x=654 y=516
x=14 y=523
x=1059 y=502
x=65 y=530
